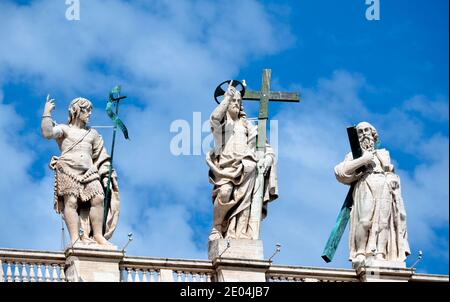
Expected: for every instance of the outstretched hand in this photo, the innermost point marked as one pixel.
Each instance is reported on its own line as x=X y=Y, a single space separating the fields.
x=49 y=105
x=231 y=91
x=113 y=182
x=368 y=158
x=264 y=165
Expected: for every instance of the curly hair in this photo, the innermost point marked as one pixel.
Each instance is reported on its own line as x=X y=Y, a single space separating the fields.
x=242 y=113
x=372 y=130
x=76 y=106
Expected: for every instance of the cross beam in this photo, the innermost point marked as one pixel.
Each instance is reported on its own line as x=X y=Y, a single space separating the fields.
x=251 y=95
x=264 y=97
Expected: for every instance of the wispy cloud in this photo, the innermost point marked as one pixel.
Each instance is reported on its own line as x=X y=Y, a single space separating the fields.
x=169 y=56
x=313 y=140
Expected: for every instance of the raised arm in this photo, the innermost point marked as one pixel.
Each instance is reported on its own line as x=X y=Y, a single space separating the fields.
x=220 y=111
x=47 y=126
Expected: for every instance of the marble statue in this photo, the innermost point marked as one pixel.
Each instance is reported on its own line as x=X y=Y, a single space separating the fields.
x=233 y=169
x=81 y=174
x=378 y=219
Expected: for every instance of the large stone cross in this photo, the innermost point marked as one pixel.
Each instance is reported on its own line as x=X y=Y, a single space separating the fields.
x=264 y=97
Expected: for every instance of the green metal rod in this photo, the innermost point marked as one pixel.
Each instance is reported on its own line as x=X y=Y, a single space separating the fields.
x=108 y=191
x=339 y=226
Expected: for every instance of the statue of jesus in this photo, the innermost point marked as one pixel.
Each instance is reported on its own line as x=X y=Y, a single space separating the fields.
x=233 y=169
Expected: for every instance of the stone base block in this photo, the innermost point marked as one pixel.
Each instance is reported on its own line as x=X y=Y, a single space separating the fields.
x=240 y=270
x=372 y=262
x=384 y=263
x=238 y=249
x=374 y=270
x=227 y=275
x=92 y=246
x=92 y=265
x=383 y=274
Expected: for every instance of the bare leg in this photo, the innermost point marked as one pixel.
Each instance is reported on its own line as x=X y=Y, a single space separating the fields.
x=85 y=224
x=96 y=217
x=220 y=210
x=71 y=217
x=216 y=231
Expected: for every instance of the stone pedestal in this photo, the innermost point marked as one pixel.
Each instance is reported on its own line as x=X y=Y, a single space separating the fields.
x=92 y=264
x=373 y=270
x=240 y=270
x=238 y=248
x=241 y=261
x=372 y=262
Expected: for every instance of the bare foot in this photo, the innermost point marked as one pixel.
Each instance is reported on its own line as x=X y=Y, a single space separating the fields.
x=86 y=240
x=214 y=235
x=360 y=260
x=101 y=240
x=231 y=234
x=244 y=236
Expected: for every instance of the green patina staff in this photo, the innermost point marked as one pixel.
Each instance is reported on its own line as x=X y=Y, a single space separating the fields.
x=114 y=99
x=344 y=213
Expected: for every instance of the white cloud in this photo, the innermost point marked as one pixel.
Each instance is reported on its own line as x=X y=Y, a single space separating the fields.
x=430 y=109
x=26 y=215
x=313 y=140
x=168 y=56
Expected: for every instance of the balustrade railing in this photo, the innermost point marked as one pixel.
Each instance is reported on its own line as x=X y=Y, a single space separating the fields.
x=31 y=266
x=41 y=266
x=278 y=273
x=142 y=269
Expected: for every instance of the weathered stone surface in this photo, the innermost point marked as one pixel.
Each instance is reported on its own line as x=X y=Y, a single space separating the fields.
x=240 y=270
x=238 y=249
x=383 y=274
x=92 y=265
x=244 y=179
x=373 y=262
x=378 y=218
x=101 y=265
x=81 y=175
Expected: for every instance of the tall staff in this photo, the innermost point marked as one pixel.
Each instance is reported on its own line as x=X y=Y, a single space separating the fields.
x=114 y=99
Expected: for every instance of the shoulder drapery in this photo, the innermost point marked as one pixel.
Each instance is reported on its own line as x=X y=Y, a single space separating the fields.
x=101 y=163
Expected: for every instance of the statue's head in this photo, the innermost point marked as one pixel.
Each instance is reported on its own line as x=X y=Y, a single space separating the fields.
x=80 y=109
x=235 y=108
x=367 y=135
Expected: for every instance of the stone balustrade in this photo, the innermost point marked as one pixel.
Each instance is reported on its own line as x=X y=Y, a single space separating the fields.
x=279 y=273
x=143 y=269
x=31 y=266
x=429 y=278
x=41 y=266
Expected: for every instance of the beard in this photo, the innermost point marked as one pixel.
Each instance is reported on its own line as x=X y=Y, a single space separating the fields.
x=234 y=111
x=367 y=143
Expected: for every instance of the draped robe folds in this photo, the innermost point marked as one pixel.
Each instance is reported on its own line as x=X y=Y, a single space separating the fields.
x=377 y=201
x=233 y=161
x=79 y=172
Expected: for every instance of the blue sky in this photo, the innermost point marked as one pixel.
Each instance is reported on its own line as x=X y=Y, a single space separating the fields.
x=170 y=55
